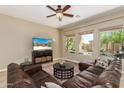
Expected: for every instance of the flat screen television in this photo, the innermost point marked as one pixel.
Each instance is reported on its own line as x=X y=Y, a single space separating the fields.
x=42 y=44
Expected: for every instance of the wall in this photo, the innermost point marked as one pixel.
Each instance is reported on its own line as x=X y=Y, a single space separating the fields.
x=16 y=39
x=95 y=25
x=123 y=66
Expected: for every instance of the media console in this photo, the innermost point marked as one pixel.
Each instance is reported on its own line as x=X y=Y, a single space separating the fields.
x=42 y=56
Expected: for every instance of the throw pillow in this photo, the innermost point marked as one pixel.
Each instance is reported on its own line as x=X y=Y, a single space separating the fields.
x=102 y=63
x=52 y=85
x=42 y=86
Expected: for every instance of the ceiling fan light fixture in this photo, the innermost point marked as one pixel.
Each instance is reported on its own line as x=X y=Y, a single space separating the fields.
x=60 y=12
x=59 y=16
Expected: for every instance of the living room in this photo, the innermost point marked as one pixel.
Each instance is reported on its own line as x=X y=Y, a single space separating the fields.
x=77 y=47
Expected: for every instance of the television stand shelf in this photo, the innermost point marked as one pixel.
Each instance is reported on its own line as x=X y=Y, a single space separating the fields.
x=42 y=56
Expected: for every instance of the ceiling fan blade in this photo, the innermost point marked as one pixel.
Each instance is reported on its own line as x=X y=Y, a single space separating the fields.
x=69 y=15
x=66 y=8
x=50 y=15
x=51 y=8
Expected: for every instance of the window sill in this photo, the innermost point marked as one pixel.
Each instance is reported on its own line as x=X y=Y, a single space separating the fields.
x=85 y=54
x=72 y=52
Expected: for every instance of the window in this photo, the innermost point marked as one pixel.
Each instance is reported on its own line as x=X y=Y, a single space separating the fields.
x=111 y=41
x=86 y=44
x=70 y=44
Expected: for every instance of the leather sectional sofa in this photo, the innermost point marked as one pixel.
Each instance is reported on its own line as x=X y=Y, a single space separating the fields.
x=92 y=77
x=97 y=77
x=31 y=78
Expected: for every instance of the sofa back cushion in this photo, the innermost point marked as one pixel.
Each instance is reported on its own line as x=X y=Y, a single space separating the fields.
x=111 y=74
x=95 y=69
x=111 y=77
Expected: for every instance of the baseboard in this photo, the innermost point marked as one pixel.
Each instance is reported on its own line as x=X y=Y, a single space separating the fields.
x=2 y=70
x=66 y=59
x=75 y=61
x=56 y=59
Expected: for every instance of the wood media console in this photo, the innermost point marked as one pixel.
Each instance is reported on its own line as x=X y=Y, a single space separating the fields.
x=42 y=56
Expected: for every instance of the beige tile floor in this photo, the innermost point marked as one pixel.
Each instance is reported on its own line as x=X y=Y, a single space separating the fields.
x=122 y=81
x=3 y=80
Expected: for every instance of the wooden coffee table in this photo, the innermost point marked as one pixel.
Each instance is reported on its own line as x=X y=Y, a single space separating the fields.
x=64 y=71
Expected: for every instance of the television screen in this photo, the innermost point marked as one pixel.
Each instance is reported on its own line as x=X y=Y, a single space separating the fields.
x=42 y=44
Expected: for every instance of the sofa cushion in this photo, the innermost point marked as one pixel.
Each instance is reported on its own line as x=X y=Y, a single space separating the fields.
x=109 y=77
x=115 y=71
x=41 y=77
x=77 y=82
x=30 y=70
x=113 y=68
x=84 y=65
x=95 y=70
x=89 y=76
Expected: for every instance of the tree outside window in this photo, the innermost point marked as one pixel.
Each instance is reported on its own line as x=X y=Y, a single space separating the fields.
x=112 y=41
x=70 y=44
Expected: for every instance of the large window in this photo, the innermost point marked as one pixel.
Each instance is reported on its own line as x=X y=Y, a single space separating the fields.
x=86 y=44
x=111 y=41
x=70 y=44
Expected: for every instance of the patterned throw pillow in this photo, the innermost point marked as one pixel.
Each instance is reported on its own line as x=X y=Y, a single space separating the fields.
x=103 y=62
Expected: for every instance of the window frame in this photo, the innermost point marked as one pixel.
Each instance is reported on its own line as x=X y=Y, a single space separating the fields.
x=85 y=33
x=74 y=38
x=108 y=29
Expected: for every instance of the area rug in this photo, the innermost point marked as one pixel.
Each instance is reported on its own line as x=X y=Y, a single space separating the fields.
x=48 y=67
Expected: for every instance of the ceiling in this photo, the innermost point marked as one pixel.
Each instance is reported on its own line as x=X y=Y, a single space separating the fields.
x=38 y=13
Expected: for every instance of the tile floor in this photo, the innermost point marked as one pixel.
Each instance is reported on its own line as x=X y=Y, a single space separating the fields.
x=3 y=79
x=122 y=81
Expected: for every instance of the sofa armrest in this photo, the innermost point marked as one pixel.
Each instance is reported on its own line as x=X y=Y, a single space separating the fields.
x=32 y=69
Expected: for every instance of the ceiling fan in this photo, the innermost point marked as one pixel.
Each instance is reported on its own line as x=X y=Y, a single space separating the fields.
x=59 y=12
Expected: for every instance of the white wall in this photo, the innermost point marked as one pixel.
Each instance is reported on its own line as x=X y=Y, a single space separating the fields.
x=95 y=25
x=16 y=39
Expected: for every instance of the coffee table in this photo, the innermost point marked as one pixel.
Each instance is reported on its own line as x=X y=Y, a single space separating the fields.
x=63 y=71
